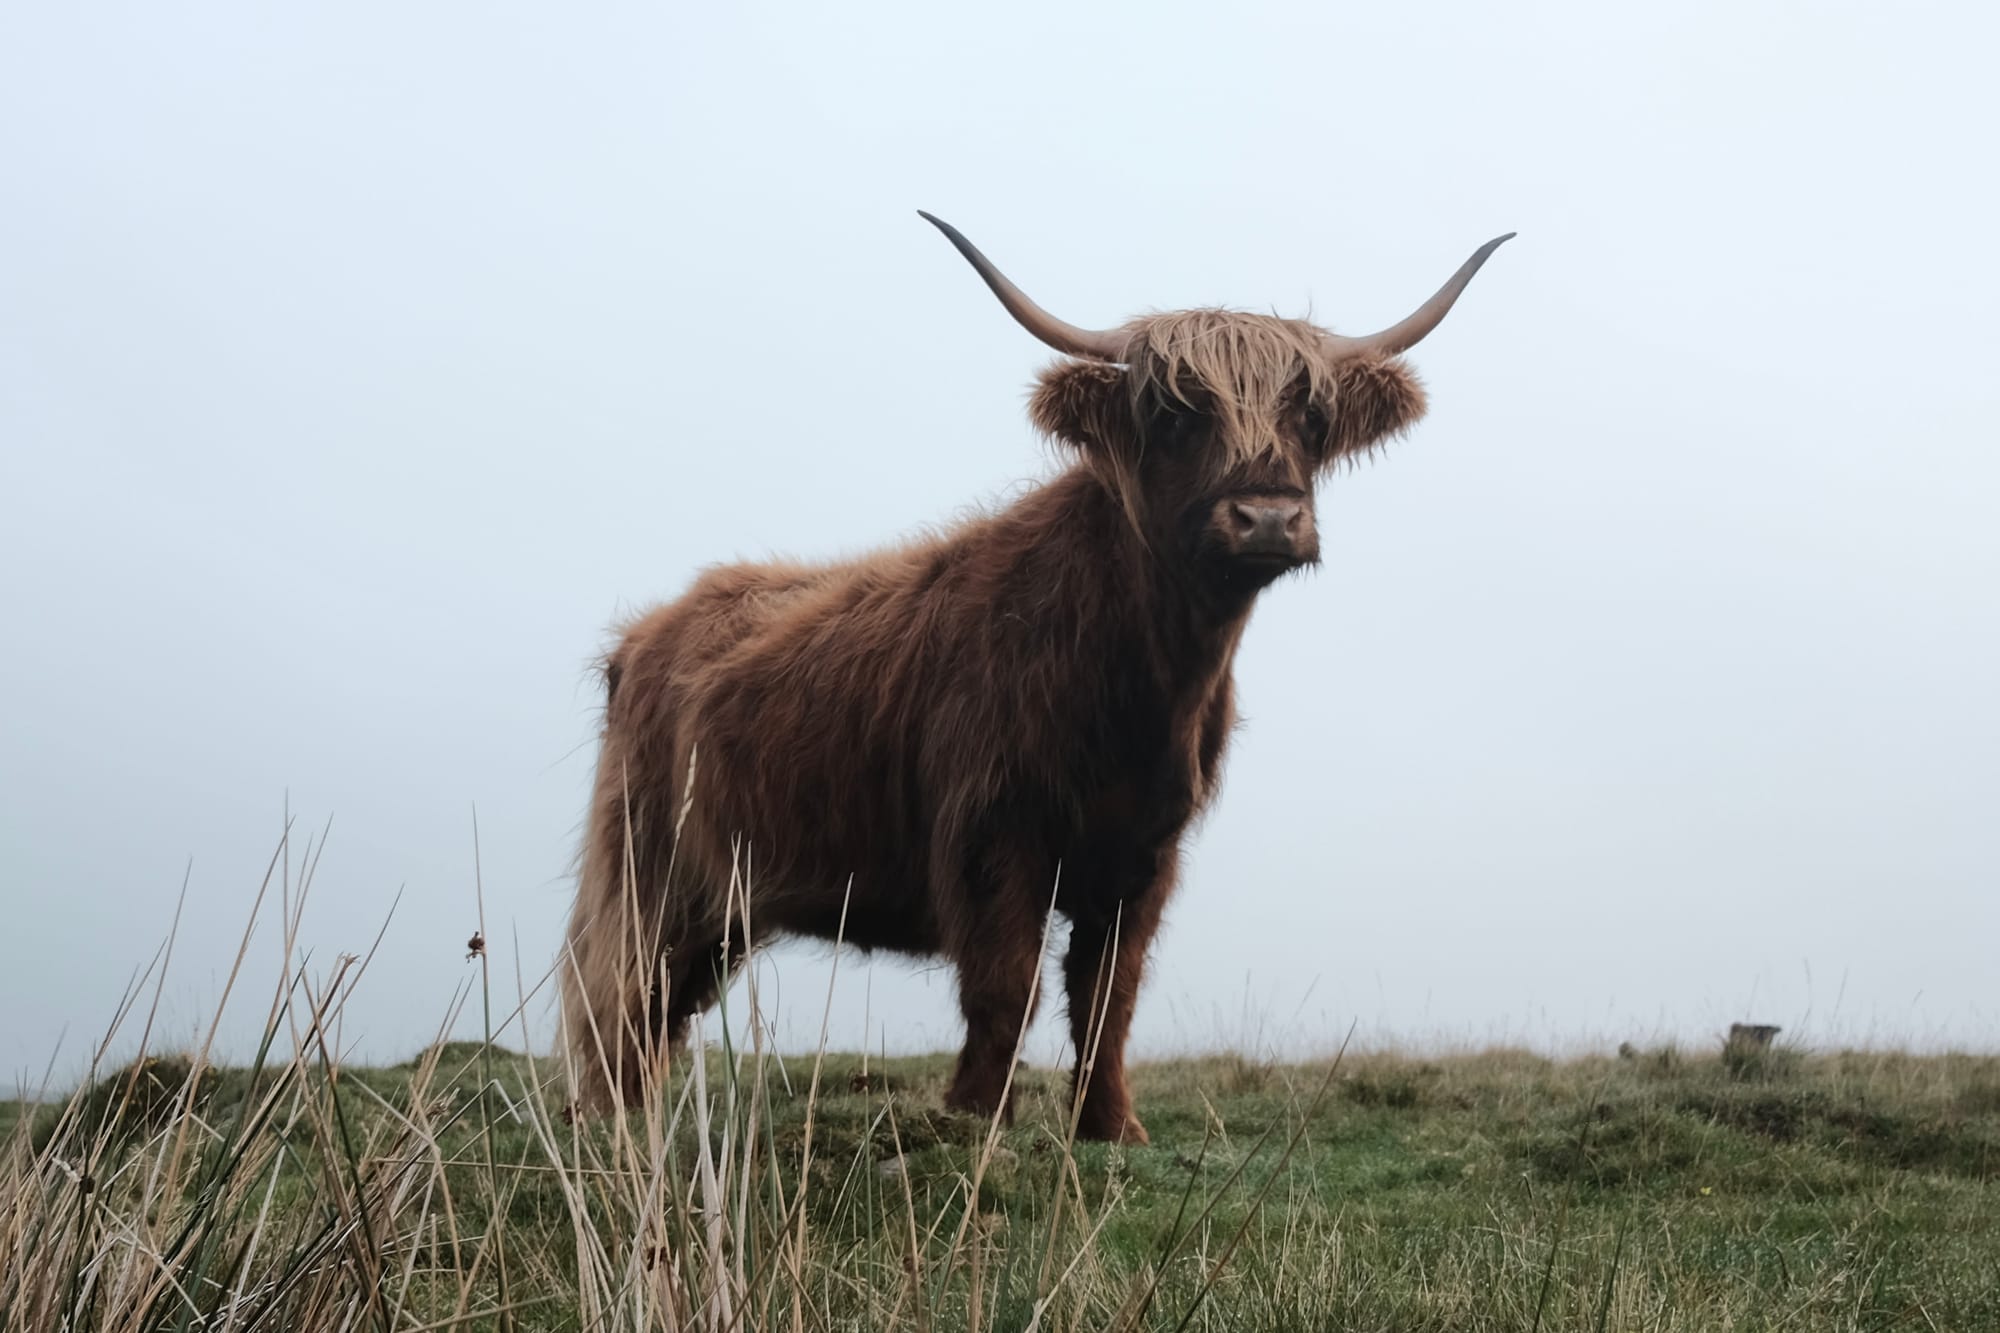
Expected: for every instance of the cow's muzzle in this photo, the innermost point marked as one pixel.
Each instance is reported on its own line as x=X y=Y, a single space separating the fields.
x=1267 y=530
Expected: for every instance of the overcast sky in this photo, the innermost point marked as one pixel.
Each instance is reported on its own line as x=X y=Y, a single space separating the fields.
x=358 y=369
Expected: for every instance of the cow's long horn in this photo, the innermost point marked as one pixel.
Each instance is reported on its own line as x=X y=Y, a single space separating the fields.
x=1064 y=337
x=1402 y=337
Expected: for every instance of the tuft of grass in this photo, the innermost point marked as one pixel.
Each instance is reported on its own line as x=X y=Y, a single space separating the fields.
x=142 y=1097
x=1761 y=1064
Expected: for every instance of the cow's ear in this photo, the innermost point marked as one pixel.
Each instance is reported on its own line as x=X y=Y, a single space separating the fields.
x=1087 y=406
x=1373 y=400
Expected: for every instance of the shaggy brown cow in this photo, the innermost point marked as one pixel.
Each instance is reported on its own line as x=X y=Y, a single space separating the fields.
x=926 y=749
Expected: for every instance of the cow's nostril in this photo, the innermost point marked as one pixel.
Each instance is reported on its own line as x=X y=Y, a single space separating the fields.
x=1264 y=526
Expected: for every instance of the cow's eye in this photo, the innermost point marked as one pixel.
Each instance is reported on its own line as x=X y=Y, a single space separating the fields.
x=1317 y=426
x=1173 y=426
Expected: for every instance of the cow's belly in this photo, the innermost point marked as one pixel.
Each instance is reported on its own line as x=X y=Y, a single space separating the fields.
x=900 y=923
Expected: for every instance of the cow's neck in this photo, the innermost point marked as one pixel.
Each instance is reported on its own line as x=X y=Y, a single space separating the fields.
x=1148 y=606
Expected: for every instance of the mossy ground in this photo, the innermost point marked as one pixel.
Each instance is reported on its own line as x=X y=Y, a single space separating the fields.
x=1491 y=1190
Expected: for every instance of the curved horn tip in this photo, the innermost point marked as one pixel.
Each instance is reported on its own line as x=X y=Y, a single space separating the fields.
x=941 y=225
x=962 y=245
x=1485 y=252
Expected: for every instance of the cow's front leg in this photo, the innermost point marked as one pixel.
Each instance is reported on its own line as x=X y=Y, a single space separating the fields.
x=997 y=945
x=1107 y=960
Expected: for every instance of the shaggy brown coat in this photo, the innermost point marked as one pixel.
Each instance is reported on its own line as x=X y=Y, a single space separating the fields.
x=937 y=742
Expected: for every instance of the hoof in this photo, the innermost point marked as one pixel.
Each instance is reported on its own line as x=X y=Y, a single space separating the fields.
x=979 y=1102
x=1127 y=1131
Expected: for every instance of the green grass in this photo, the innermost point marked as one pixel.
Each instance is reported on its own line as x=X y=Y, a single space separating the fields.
x=1749 y=1190
x=1490 y=1190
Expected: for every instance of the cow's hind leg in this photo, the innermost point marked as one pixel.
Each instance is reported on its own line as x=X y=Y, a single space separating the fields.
x=653 y=1028
x=608 y=1018
x=613 y=1022
x=695 y=980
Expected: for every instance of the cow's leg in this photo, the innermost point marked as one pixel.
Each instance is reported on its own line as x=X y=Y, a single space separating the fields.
x=682 y=983
x=997 y=946
x=611 y=1013
x=694 y=982
x=1107 y=958
x=620 y=1051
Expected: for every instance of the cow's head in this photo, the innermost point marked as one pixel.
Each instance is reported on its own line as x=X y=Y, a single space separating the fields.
x=1212 y=426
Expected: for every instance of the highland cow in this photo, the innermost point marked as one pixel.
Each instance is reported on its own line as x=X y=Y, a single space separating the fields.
x=928 y=749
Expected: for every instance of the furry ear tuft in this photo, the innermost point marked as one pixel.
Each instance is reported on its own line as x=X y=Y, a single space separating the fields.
x=1085 y=404
x=1373 y=401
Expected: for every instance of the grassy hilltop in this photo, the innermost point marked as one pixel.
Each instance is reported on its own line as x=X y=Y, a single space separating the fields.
x=1495 y=1190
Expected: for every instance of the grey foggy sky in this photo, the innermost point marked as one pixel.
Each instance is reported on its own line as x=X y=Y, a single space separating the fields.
x=358 y=369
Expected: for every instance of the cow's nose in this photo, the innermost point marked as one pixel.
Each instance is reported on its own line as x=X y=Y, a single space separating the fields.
x=1266 y=524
